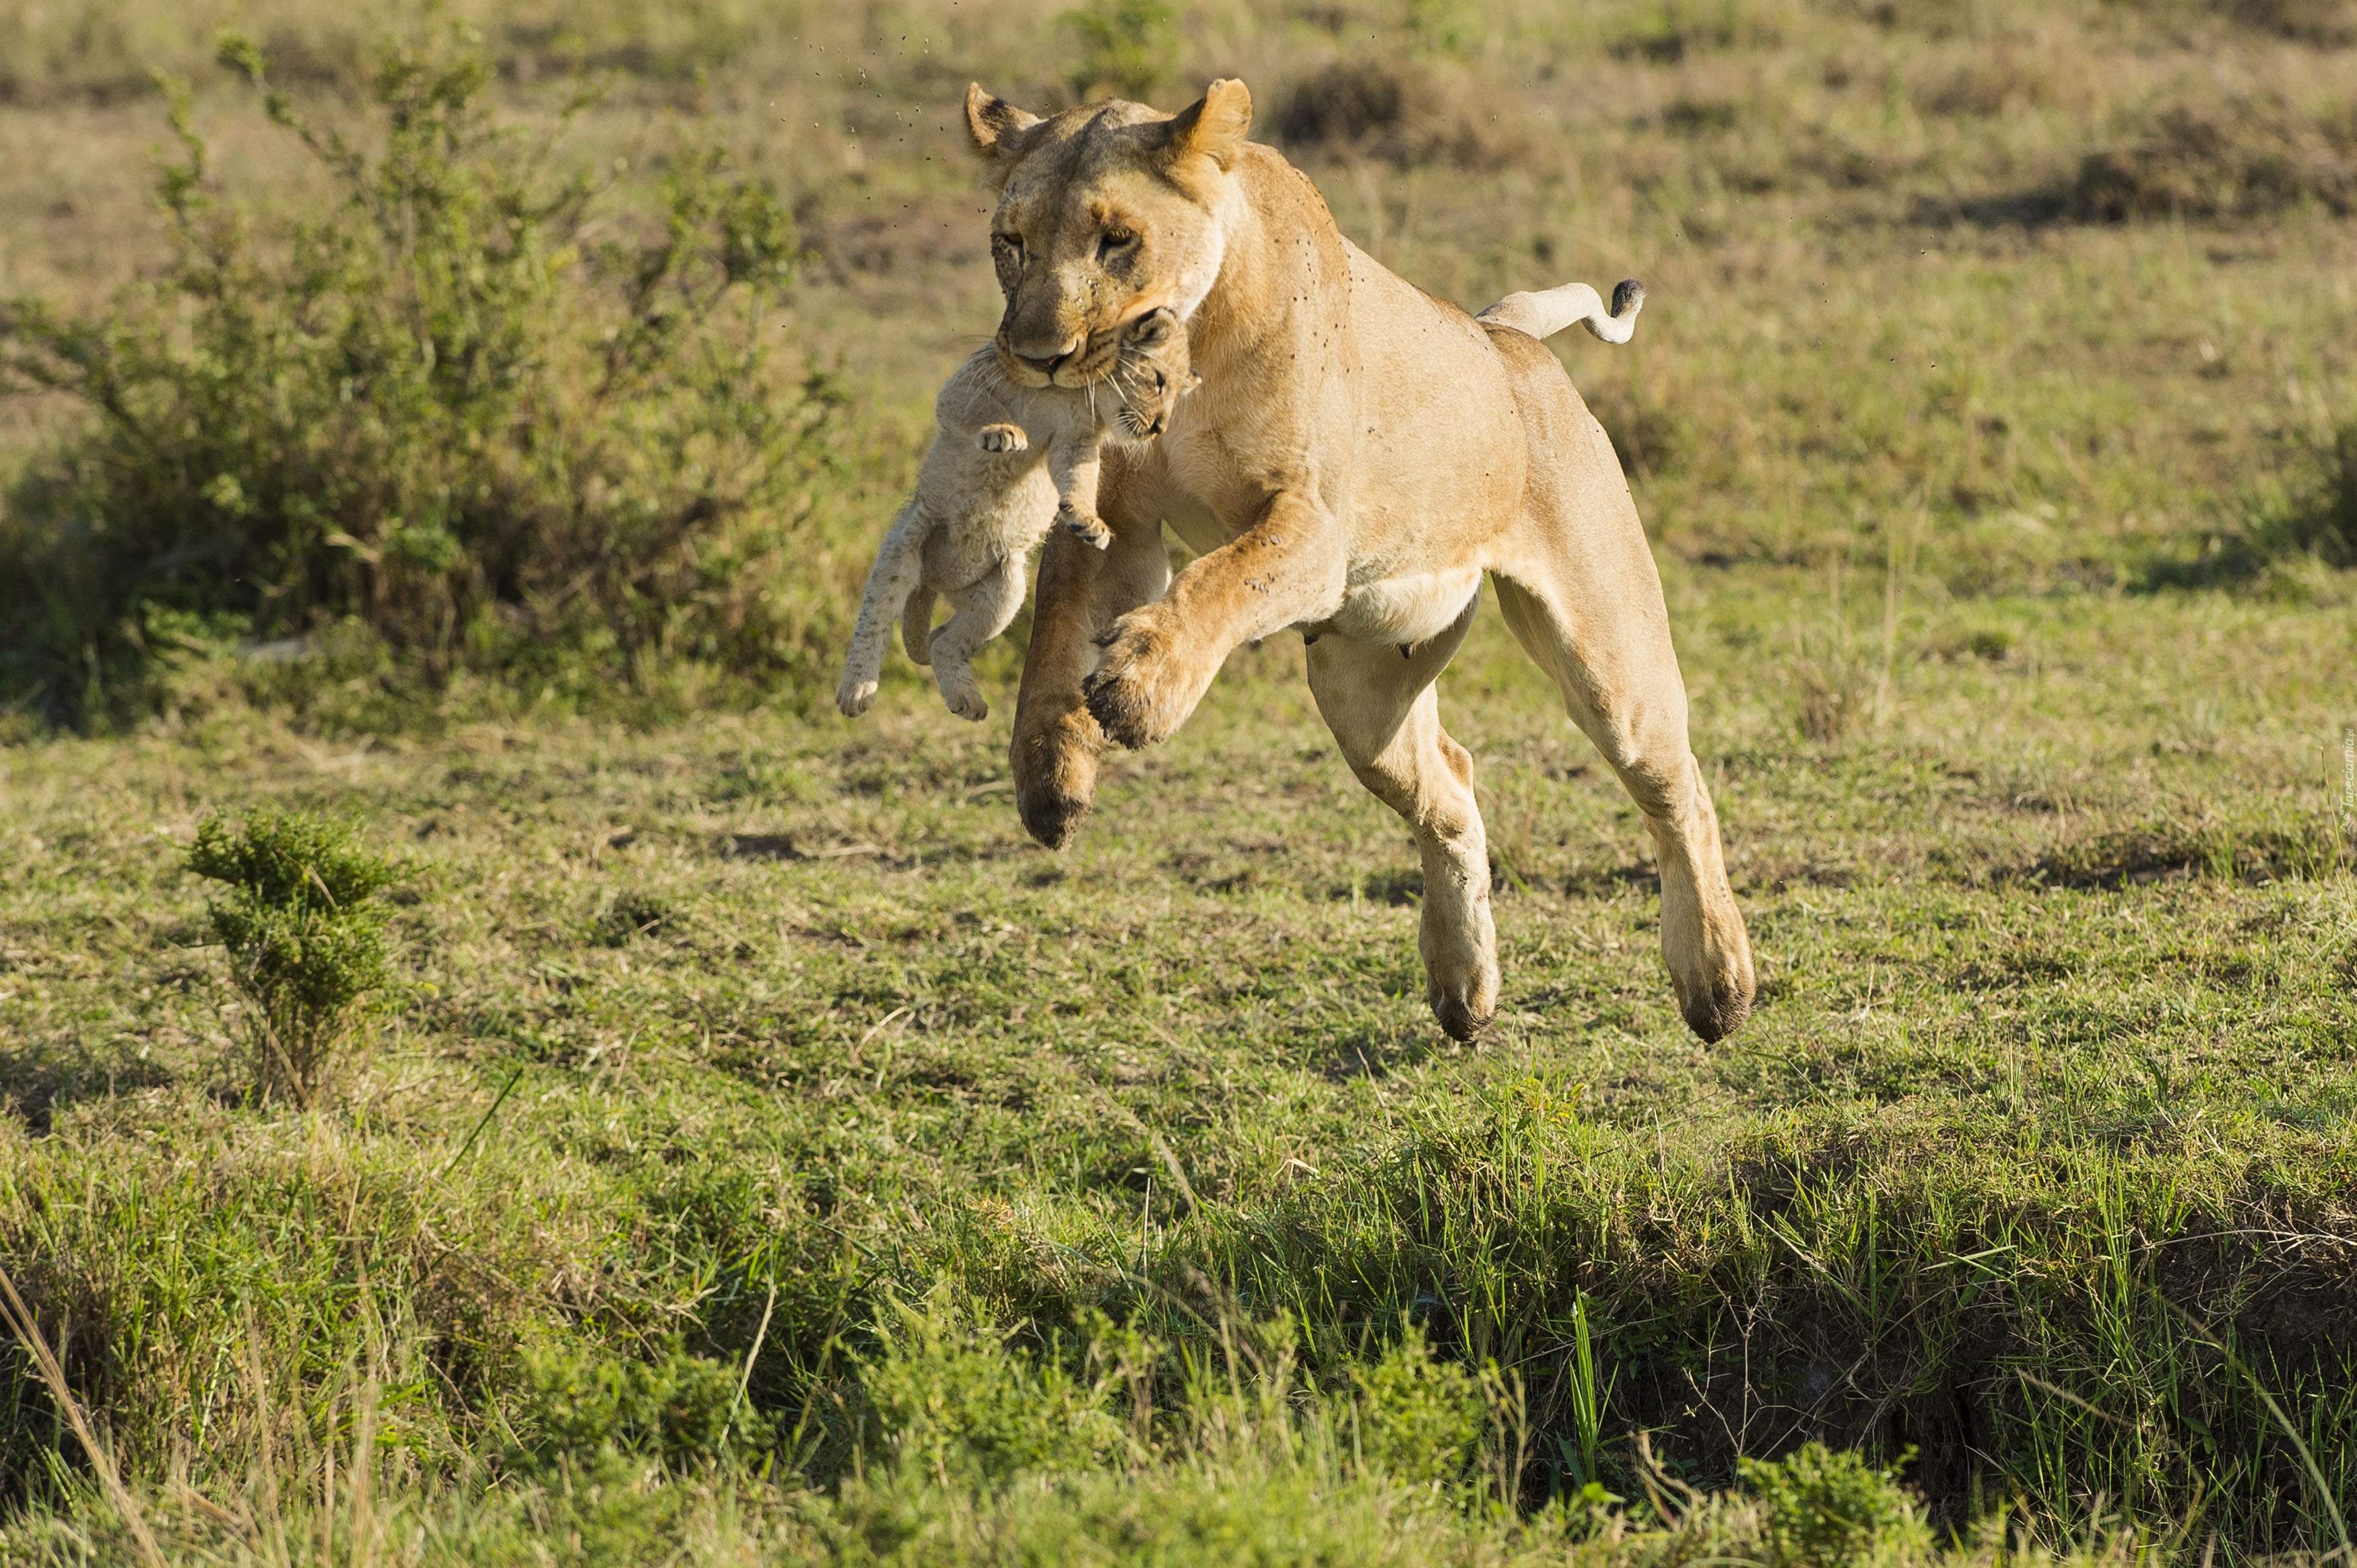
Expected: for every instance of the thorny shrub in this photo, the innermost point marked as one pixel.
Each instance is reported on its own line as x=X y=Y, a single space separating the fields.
x=493 y=415
x=304 y=928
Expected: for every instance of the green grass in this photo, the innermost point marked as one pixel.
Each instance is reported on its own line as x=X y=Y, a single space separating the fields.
x=723 y=1037
x=2013 y=1137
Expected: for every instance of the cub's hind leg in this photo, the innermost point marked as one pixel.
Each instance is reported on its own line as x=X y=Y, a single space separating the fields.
x=982 y=610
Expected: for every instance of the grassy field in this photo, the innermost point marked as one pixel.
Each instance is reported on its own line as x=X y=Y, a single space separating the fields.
x=764 y=1153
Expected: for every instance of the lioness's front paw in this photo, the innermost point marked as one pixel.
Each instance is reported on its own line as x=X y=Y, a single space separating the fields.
x=1144 y=686
x=1089 y=529
x=1002 y=439
x=855 y=697
x=1056 y=773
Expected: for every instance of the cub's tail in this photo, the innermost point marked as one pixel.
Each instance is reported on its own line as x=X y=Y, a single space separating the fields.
x=1548 y=312
x=916 y=625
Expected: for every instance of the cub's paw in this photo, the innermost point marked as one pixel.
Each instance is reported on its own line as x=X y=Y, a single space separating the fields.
x=1143 y=687
x=1088 y=528
x=961 y=694
x=1002 y=439
x=855 y=697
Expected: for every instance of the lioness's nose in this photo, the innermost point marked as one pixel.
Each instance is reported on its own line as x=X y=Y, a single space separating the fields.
x=1058 y=352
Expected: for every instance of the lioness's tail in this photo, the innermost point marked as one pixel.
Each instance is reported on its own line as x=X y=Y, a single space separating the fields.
x=1548 y=312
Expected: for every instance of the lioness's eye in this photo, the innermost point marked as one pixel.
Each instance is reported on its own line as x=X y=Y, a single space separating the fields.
x=1115 y=240
x=1010 y=243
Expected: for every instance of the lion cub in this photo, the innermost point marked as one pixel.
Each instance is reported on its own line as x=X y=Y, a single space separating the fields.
x=1007 y=462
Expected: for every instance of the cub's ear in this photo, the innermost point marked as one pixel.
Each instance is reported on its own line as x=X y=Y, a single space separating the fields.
x=1214 y=124
x=997 y=127
x=1154 y=328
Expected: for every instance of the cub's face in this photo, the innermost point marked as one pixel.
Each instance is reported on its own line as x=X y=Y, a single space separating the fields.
x=1106 y=214
x=1150 y=373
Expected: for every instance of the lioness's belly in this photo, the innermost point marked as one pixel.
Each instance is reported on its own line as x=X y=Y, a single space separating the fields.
x=1407 y=608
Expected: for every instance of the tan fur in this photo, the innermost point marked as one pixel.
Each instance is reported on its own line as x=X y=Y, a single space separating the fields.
x=1358 y=454
x=1006 y=463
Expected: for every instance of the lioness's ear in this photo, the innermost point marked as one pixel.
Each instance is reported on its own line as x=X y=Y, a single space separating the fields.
x=997 y=126
x=1215 y=123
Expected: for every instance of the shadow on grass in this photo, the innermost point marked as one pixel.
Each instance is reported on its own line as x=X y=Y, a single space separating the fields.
x=2197 y=157
x=2169 y=850
x=37 y=1082
x=2310 y=517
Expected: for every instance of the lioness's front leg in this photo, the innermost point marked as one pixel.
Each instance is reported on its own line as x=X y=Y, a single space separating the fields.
x=1159 y=659
x=1054 y=752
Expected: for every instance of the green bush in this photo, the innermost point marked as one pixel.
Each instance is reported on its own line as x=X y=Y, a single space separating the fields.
x=1420 y=1420
x=1828 y=1509
x=682 y=1410
x=1127 y=48
x=437 y=407
x=2220 y=157
x=955 y=1402
x=304 y=933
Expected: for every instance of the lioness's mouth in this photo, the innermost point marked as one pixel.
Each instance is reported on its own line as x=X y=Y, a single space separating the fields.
x=1094 y=360
x=1091 y=361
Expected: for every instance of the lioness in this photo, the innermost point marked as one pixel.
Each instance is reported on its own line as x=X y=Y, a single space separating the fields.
x=1357 y=456
x=979 y=506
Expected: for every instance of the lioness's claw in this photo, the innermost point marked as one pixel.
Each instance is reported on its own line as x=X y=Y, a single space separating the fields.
x=1141 y=689
x=1457 y=1020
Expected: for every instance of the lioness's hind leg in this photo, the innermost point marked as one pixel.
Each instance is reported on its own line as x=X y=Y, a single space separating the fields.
x=1618 y=677
x=1384 y=713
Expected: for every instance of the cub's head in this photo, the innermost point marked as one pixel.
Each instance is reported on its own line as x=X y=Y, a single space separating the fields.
x=1150 y=371
x=1106 y=214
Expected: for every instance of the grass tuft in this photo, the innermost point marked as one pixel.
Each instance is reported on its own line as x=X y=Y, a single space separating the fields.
x=2225 y=158
x=1396 y=107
